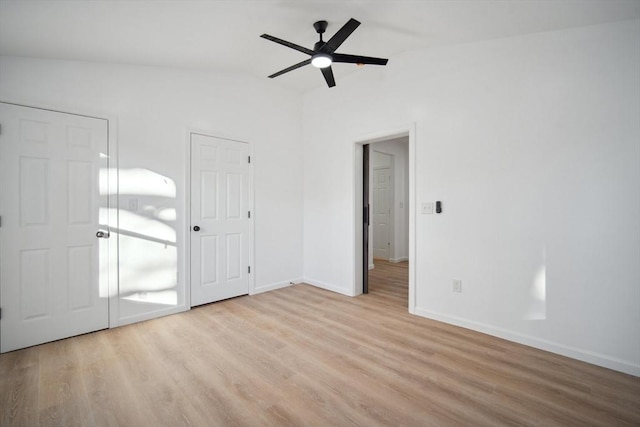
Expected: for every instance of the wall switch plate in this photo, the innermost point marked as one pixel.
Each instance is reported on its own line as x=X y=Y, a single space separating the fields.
x=427 y=208
x=457 y=286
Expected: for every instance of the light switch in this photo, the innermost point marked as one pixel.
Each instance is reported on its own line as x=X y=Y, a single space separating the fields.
x=427 y=208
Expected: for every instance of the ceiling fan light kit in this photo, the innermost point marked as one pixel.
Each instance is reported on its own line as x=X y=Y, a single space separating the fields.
x=321 y=60
x=323 y=53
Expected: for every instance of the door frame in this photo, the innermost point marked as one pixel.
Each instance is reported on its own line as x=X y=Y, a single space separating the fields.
x=358 y=143
x=112 y=192
x=186 y=263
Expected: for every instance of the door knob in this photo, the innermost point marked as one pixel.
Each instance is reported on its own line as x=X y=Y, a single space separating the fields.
x=102 y=234
x=196 y=228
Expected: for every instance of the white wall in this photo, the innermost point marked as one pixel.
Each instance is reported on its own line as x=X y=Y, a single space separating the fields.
x=399 y=149
x=154 y=108
x=533 y=145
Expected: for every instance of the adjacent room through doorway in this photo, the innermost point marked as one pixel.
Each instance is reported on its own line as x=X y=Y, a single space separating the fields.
x=387 y=186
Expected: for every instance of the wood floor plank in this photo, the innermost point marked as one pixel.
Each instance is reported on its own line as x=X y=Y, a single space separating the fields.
x=19 y=383
x=303 y=356
x=62 y=396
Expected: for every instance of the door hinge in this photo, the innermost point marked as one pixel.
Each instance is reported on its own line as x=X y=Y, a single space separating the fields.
x=249 y=214
x=249 y=269
x=249 y=159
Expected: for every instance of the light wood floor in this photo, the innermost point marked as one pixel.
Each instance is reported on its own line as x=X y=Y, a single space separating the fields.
x=306 y=357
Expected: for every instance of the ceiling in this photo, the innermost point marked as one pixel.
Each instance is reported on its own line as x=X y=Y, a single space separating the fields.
x=224 y=35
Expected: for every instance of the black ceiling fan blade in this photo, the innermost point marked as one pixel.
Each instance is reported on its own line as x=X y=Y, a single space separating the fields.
x=339 y=37
x=328 y=76
x=357 y=59
x=288 y=44
x=293 y=67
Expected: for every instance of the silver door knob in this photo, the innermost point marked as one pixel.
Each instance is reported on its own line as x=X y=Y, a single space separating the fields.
x=196 y=228
x=102 y=234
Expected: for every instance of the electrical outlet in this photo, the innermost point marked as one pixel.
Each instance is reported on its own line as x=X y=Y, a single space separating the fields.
x=457 y=285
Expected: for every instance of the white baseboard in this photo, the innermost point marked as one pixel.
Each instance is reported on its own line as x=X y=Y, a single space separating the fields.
x=553 y=347
x=274 y=286
x=150 y=315
x=371 y=266
x=328 y=287
x=401 y=259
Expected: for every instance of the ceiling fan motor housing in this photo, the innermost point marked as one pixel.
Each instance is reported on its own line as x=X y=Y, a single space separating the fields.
x=321 y=27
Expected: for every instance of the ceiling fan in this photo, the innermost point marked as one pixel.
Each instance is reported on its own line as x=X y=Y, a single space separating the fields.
x=323 y=53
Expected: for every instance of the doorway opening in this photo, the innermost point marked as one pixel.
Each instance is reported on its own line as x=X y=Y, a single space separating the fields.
x=385 y=222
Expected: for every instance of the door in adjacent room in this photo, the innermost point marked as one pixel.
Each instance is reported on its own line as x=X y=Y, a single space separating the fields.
x=382 y=203
x=54 y=173
x=220 y=219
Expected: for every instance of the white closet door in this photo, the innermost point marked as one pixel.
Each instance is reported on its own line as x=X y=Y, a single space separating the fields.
x=382 y=203
x=220 y=221
x=53 y=267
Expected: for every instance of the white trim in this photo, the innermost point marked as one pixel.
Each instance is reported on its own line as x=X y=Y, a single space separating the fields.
x=153 y=314
x=357 y=254
x=274 y=286
x=63 y=110
x=186 y=262
x=328 y=287
x=401 y=259
x=252 y=223
x=372 y=266
x=553 y=347
x=114 y=222
x=413 y=205
x=187 y=225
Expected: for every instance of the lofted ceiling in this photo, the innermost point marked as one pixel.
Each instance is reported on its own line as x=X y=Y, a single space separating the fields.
x=224 y=35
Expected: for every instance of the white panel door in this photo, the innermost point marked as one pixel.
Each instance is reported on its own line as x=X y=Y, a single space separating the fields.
x=50 y=202
x=220 y=221
x=382 y=202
